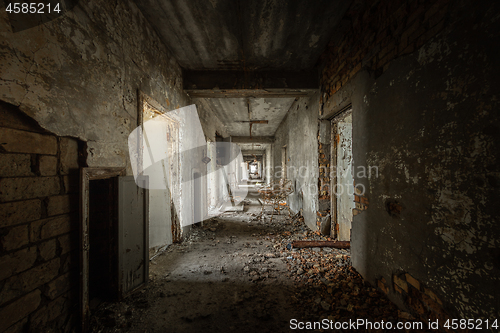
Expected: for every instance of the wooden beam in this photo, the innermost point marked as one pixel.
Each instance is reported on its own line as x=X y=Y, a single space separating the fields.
x=253 y=152
x=248 y=93
x=237 y=84
x=253 y=139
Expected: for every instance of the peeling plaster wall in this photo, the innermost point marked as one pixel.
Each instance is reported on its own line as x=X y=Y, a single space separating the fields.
x=78 y=75
x=211 y=124
x=209 y=121
x=298 y=132
x=430 y=123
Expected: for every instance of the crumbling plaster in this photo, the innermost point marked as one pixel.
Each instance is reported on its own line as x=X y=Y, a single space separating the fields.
x=298 y=131
x=78 y=75
x=430 y=125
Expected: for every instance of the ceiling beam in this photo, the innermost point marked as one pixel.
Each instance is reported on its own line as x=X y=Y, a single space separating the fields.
x=253 y=139
x=235 y=84
x=253 y=152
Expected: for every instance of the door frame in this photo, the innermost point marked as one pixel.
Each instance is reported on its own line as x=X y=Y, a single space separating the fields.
x=142 y=100
x=86 y=175
x=337 y=117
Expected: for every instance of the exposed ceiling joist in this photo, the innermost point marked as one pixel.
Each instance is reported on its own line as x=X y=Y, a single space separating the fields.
x=253 y=139
x=246 y=93
x=218 y=84
x=253 y=152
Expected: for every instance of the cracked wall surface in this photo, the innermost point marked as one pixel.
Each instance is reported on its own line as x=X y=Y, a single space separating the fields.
x=429 y=122
x=298 y=131
x=78 y=75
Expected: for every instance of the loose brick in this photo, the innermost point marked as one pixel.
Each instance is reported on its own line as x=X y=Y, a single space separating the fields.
x=400 y=283
x=15 y=165
x=18 y=310
x=411 y=280
x=62 y=204
x=15 y=238
x=13 y=213
x=27 y=281
x=13 y=189
x=69 y=155
x=47 y=165
x=16 y=141
x=47 y=249
x=17 y=262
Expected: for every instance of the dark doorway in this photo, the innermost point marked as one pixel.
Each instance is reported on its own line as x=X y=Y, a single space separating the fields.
x=197 y=195
x=103 y=240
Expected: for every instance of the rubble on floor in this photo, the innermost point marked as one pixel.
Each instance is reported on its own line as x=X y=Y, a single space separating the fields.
x=310 y=284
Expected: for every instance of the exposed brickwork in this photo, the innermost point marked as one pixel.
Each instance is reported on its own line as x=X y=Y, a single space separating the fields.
x=360 y=200
x=382 y=284
x=377 y=33
x=323 y=182
x=38 y=225
x=422 y=302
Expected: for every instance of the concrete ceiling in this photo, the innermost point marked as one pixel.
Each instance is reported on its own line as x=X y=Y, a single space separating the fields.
x=232 y=111
x=250 y=35
x=245 y=35
x=249 y=148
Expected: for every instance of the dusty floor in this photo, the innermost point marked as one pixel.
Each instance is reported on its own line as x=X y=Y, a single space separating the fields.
x=237 y=274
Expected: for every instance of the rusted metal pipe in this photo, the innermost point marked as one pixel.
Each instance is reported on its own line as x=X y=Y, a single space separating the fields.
x=334 y=244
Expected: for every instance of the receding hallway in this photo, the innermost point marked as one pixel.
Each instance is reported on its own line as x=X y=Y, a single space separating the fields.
x=135 y=136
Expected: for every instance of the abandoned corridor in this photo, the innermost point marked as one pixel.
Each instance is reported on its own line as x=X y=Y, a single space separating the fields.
x=134 y=132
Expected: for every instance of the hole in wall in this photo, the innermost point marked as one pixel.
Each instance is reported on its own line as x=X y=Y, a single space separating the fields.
x=393 y=208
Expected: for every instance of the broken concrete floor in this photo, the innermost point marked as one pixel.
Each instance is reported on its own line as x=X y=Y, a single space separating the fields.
x=237 y=273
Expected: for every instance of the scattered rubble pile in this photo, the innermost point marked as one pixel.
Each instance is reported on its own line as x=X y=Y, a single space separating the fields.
x=328 y=286
x=318 y=283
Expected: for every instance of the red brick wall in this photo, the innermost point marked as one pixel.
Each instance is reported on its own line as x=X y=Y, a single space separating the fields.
x=376 y=33
x=38 y=225
x=323 y=182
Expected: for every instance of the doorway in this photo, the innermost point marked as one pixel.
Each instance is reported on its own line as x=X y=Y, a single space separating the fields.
x=342 y=178
x=103 y=240
x=99 y=253
x=164 y=173
x=113 y=237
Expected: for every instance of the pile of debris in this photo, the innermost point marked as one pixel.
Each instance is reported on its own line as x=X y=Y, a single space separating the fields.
x=328 y=286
